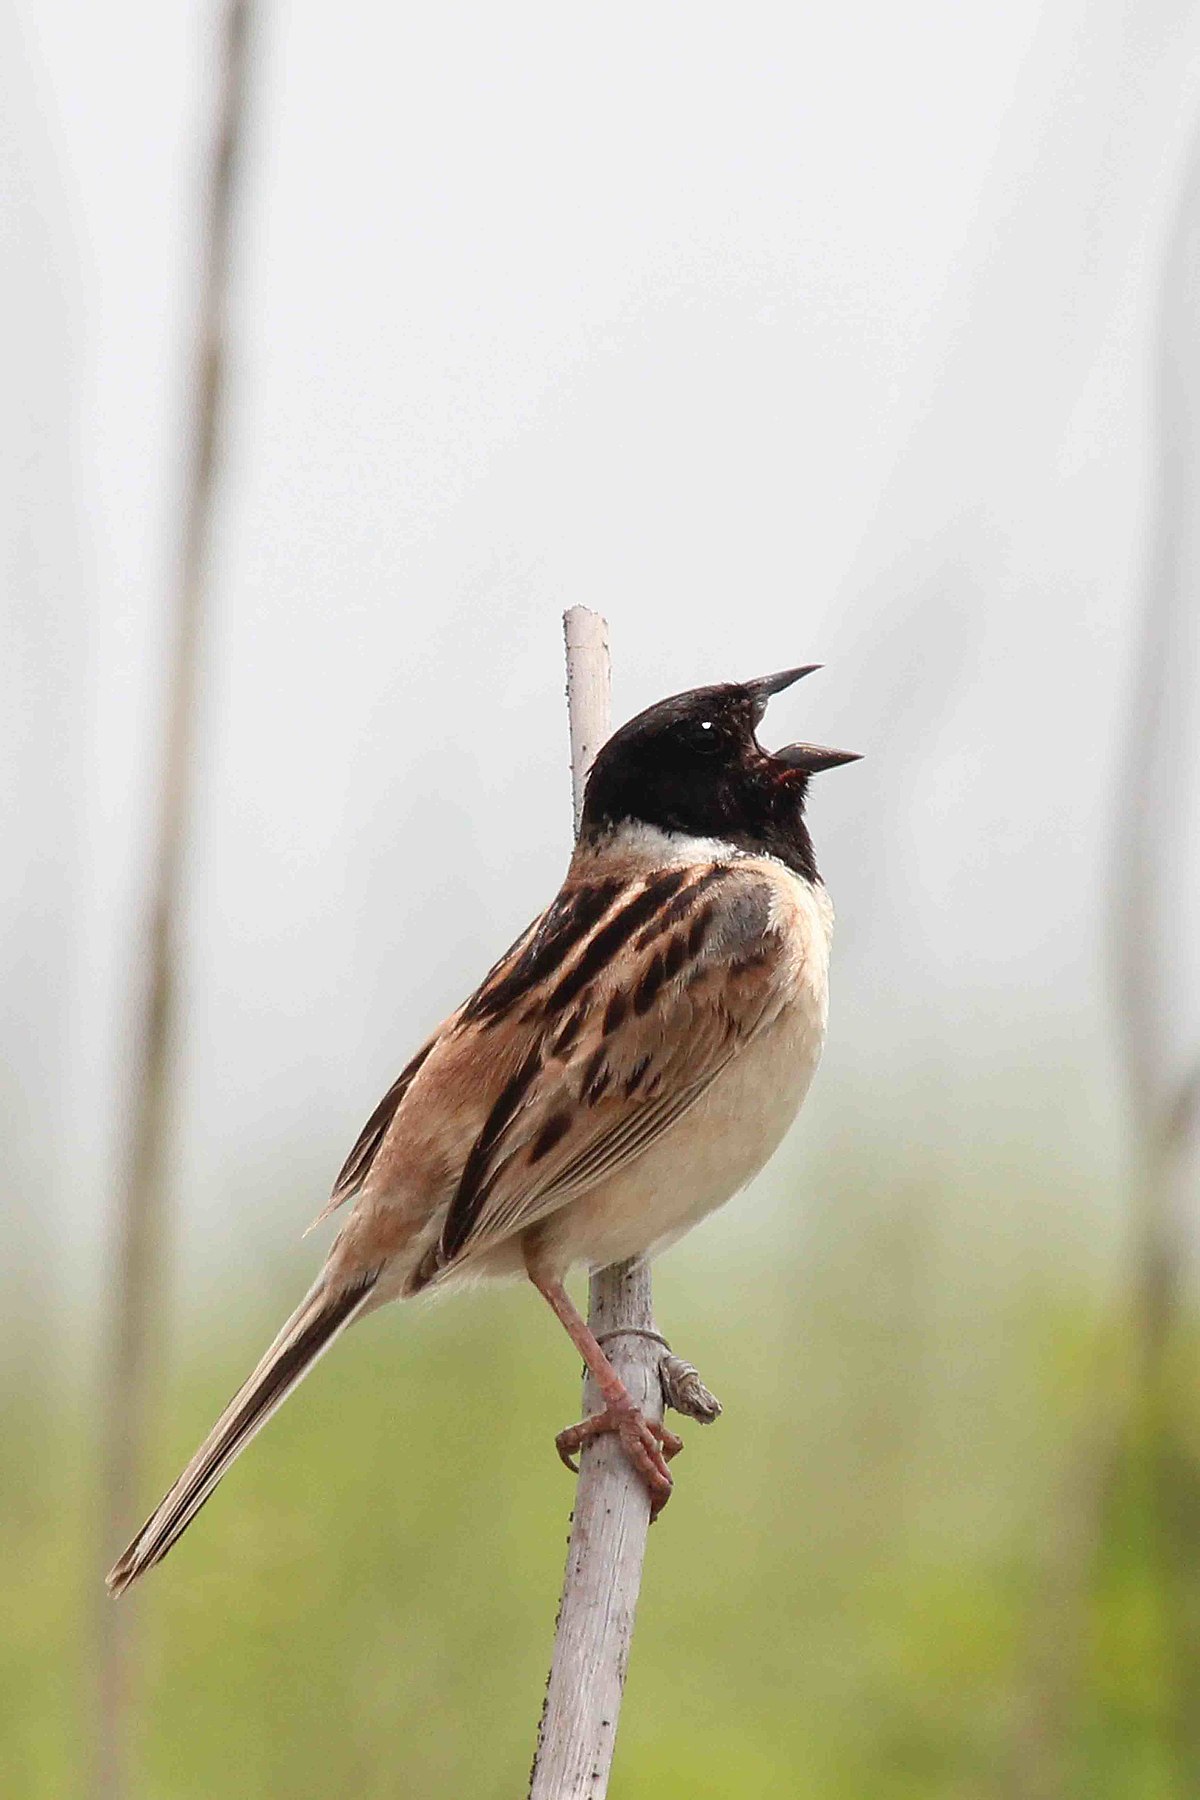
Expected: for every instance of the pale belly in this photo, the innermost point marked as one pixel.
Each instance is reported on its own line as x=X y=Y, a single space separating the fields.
x=711 y=1153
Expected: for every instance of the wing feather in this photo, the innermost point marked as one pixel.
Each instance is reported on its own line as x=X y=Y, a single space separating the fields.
x=669 y=984
x=357 y=1166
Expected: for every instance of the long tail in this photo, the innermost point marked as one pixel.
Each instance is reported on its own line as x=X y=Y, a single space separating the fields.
x=316 y=1322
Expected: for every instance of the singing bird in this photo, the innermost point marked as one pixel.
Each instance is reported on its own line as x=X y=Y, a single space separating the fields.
x=627 y=1066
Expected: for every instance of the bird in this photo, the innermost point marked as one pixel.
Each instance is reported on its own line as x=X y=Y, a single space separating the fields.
x=626 y=1067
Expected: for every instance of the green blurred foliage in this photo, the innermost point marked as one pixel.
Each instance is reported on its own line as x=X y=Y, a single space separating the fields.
x=942 y=1545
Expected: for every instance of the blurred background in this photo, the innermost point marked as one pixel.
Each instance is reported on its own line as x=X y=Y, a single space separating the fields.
x=868 y=337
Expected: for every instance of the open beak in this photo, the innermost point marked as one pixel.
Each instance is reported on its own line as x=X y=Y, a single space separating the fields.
x=799 y=759
x=766 y=685
x=811 y=759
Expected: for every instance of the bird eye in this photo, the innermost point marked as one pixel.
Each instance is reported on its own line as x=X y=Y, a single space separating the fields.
x=703 y=735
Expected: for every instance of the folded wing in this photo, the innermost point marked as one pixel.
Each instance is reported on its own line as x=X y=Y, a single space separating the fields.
x=620 y=1032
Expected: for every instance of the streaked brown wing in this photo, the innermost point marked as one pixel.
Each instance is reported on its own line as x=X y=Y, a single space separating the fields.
x=624 y=1034
x=357 y=1165
x=535 y=956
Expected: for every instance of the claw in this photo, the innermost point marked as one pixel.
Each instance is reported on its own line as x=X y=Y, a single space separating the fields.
x=647 y=1443
x=566 y=1446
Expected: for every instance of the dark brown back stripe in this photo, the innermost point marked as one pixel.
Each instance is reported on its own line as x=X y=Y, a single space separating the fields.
x=357 y=1165
x=699 y=929
x=677 y=954
x=594 y=1064
x=615 y=1012
x=612 y=936
x=569 y=1031
x=682 y=904
x=566 y=922
x=472 y=1186
x=652 y=979
x=555 y=1128
x=599 y=1085
x=633 y=1079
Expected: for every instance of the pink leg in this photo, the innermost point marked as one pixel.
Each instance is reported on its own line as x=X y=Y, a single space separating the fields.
x=647 y=1444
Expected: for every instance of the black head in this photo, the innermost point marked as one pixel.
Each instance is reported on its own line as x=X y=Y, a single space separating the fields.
x=693 y=764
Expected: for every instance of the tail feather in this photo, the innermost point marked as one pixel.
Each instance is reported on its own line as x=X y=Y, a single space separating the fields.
x=316 y=1322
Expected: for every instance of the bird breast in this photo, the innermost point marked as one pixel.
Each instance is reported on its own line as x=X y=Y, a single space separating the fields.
x=736 y=1125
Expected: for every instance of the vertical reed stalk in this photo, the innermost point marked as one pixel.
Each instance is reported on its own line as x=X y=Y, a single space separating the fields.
x=140 y=1227
x=603 y=1577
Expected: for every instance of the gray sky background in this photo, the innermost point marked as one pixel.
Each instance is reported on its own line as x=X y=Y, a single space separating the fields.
x=778 y=335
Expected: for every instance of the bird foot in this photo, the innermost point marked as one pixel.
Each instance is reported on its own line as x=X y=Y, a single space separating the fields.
x=646 y=1442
